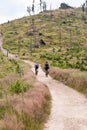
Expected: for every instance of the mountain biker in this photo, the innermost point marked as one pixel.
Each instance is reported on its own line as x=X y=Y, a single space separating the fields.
x=36 y=68
x=46 y=67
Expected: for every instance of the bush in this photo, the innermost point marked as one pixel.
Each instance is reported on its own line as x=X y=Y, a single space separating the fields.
x=18 y=87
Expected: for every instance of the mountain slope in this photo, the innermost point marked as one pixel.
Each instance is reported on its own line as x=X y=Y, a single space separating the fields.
x=64 y=33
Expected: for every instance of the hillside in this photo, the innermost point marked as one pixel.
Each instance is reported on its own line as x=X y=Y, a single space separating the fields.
x=22 y=97
x=63 y=31
x=59 y=36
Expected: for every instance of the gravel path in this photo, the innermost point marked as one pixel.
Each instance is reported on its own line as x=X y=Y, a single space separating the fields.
x=5 y=52
x=69 y=108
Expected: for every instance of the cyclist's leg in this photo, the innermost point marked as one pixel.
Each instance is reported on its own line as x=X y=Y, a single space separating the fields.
x=36 y=71
x=47 y=72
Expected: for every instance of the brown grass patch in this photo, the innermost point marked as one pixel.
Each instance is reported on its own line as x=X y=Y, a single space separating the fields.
x=32 y=100
x=72 y=78
x=7 y=80
x=11 y=122
x=29 y=77
x=30 y=103
x=33 y=103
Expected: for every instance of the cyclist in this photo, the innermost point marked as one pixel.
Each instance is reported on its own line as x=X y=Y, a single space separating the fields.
x=36 y=68
x=46 y=67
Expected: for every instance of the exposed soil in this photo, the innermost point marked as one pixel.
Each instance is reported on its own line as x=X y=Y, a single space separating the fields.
x=69 y=108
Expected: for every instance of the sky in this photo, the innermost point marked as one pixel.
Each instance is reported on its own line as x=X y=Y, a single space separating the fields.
x=13 y=9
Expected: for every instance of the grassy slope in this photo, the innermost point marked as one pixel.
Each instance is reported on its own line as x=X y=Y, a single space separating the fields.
x=61 y=50
x=28 y=109
x=65 y=34
x=8 y=66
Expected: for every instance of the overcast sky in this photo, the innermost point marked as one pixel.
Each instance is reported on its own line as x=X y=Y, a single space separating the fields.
x=11 y=9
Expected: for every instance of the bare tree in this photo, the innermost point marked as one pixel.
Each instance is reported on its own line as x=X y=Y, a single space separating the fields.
x=19 y=44
x=44 y=6
x=33 y=7
x=30 y=47
x=70 y=37
x=60 y=35
x=86 y=10
x=83 y=8
x=29 y=10
x=33 y=22
x=40 y=5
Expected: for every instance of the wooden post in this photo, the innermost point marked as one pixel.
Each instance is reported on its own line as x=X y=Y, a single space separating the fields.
x=18 y=47
x=86 y=10
x=60 y=35
x=30 y=47
x=70 y=37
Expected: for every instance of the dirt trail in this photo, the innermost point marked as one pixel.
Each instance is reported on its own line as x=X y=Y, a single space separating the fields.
x=5 y=51
x=69 y=108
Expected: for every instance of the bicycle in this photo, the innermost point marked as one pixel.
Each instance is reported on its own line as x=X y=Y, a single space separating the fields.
x=36 y=71
x=46 y=72
x=36 y=68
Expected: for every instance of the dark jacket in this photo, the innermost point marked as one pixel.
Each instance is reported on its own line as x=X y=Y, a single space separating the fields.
x=46 y=66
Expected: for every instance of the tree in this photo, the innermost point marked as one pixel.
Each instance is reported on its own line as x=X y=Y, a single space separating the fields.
x=44 y=6
x=29 y=10
x=86 y=10
x=40 y=5
x=83 y=8
x=70 y=37
x=33 y=7
x=60 y=34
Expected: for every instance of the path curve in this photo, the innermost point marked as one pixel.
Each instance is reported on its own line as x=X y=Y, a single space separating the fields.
x=4 y=50
x=69 y=108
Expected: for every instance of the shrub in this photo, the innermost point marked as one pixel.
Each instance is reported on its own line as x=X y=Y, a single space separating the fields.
x=18 y=87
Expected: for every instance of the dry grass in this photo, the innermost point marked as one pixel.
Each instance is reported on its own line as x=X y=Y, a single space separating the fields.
x=31 y=100
x=31 y=104
x=29 y=77
x=7 y=80
x=73 y=78
x=11 y=120
x=26 y=110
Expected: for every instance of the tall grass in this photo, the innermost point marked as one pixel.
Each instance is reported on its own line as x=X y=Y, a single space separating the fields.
x=27 y=108
x=72 y=78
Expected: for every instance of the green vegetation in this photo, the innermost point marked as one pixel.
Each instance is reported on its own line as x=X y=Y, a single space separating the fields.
x=74 y=58
x=18 y=97
x=2 y=111
x=65 y=35
x=18 y=86
x=8 y=66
